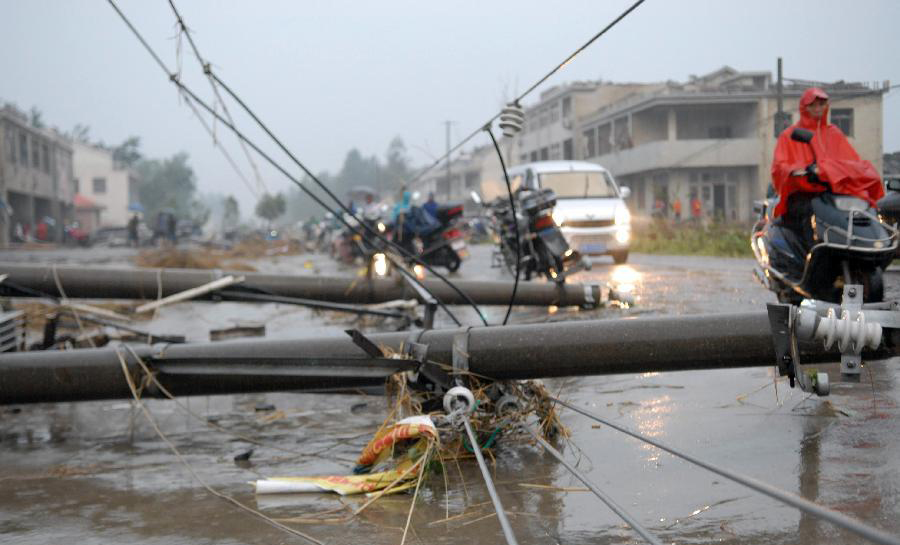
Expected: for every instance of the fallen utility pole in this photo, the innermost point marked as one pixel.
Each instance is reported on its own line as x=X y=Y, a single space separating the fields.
x=595 y=347
x=110 y=283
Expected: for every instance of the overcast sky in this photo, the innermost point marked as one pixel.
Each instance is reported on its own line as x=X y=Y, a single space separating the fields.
x=331 y=75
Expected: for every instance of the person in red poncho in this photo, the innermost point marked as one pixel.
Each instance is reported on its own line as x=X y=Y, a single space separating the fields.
x=829 y=157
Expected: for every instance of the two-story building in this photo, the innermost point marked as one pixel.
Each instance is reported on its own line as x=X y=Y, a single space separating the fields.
x=109 y=186
x=36 y=178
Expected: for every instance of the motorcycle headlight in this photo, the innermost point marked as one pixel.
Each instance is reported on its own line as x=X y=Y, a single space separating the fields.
x=623 y=216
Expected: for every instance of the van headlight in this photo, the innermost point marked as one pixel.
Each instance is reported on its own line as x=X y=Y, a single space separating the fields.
x=558 y=218
x=623 y=216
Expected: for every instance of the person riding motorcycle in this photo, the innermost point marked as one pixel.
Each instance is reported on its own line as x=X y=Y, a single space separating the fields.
x=800 y=170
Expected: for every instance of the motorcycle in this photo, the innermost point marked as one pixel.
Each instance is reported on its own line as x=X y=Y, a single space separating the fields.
x=436 y=240
x=825 y=241
x=541 y=247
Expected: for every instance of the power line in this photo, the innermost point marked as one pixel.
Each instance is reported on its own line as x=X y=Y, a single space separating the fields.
x=206 y=70
x=176 y=81
x=215 y=78
x=528 y=91
x=834 y=517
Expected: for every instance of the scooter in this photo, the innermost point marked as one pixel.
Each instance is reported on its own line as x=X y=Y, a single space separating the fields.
x=827 y=241
x=437 y=241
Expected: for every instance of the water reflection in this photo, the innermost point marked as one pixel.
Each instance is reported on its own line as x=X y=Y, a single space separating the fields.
x=625 y=280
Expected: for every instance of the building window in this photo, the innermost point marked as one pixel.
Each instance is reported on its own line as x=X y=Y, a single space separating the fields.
x=545 y=154
x=604 y=139
x=534 y=156
x=35 y=154
x=523 y=158
x=590 y=143
x=45 y=158
x=566 y=107
x=75 y=185
x=23 y=149
x=722 y=131
x=568 y=149
x=11 y=144
x=99 y=185
x=554 y=151
x=843 y=118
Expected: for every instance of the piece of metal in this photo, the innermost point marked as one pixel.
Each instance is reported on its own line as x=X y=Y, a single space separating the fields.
x=834 y=517
x=363 y=342
x=851 y=304
x=12 y=331
x=102 y=283
x=616 y=508
x=512 y=352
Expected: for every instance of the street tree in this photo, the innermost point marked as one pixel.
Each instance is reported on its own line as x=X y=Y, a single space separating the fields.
x=270 y=207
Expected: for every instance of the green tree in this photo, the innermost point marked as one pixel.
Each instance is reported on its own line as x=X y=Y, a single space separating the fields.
x=231 y=214
x=36 y=118
x=128 y=152
x=396 y=171
x=166 y=183
x=271 y=207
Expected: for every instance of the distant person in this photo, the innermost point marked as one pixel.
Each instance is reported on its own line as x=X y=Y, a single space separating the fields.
x=133 y=231
x=659 y=208
x=430 y=205
x=171 y=226
x=41 y=231
x=676 y=209
x=696 y=208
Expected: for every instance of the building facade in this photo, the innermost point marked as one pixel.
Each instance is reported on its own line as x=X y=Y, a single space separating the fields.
x=108 y=185
x=709 y=140
x=713 y=139
x=36 y=179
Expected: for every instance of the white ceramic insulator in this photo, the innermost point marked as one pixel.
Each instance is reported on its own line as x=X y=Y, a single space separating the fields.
x=456 y=395
x=852 y=335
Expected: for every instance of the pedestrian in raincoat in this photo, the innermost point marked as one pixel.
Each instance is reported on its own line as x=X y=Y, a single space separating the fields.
x=835 y=162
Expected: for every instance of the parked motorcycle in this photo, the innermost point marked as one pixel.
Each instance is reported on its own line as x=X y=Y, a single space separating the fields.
x=541 y=248
x=825 y=241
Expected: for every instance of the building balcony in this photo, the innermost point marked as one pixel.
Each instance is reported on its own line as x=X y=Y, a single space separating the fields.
x=664 y=154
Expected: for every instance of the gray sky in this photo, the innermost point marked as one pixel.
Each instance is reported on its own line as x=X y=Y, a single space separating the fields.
x=331 y=75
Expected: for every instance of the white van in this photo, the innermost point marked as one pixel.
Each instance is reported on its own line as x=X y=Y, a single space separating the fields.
x=590 y=208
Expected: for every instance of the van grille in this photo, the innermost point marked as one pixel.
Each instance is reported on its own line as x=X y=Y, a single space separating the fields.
x=588 y=223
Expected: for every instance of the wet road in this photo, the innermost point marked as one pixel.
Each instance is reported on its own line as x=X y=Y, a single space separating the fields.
x=97 y=472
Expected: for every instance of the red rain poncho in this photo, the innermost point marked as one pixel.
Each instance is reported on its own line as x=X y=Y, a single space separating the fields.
x=838 y=163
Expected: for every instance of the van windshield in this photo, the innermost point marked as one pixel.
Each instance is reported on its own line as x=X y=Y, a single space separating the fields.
x=569 y=185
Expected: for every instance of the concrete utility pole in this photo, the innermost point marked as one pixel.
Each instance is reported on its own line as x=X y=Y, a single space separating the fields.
x=782 y=119
x=448 y=123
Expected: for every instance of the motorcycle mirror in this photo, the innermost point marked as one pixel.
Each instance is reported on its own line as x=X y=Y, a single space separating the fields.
x=625 y=192
x=802 y=135
x=476 y=198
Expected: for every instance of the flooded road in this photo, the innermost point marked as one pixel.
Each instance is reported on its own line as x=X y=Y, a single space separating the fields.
x=97 y=473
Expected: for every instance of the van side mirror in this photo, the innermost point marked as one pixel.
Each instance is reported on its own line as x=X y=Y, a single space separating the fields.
x=802 y=135
x=625 y=192
x=892 y=184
